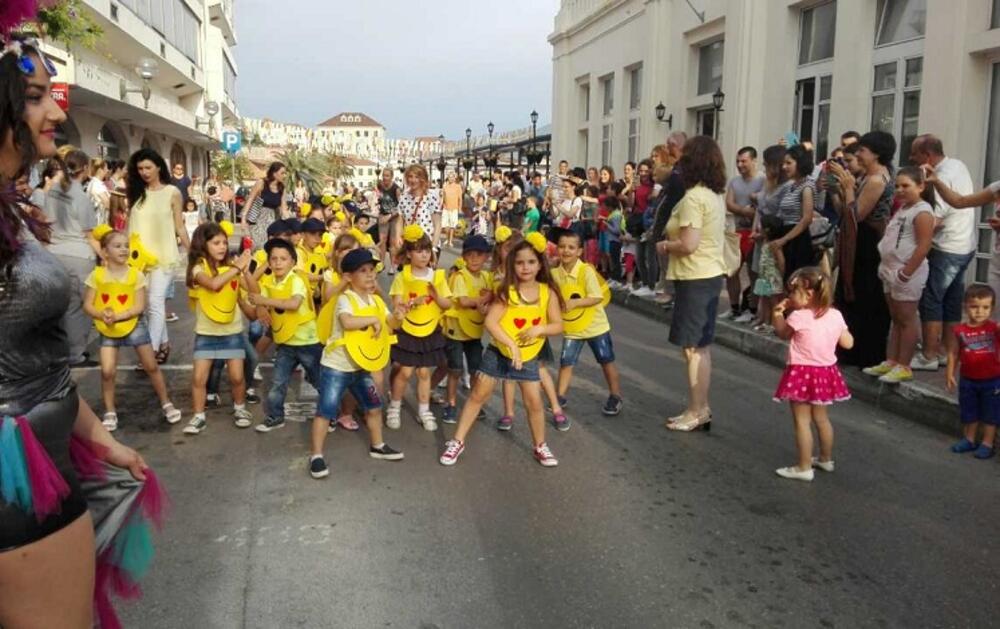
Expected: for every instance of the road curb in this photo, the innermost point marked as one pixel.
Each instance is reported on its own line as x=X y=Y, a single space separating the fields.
x=913 y=401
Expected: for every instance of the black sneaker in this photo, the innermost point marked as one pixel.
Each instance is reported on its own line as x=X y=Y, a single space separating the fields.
x=270 y=423
x=385 y=453
x=449 y=415
x=318 y=468
x=563 y=402
x=252 y=397
x=332 y=427
x=212 y=400
x=613 y=406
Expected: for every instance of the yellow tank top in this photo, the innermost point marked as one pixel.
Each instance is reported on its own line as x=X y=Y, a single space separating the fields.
x=370 y=352
x=520 y=316
x=152 y=219
x=219 y=306
x=469 y=320
x=117 y=295
x=324 y=319
x=284 y=323
x=426 y=315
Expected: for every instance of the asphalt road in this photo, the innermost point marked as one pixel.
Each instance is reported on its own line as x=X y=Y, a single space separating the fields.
x=637 y=527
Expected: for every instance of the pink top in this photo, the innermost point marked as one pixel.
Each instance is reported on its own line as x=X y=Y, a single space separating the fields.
x=814 y=341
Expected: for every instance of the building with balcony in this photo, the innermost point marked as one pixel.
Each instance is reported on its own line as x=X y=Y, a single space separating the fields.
x=352 y=133
x=815 y=67
x=187 y=96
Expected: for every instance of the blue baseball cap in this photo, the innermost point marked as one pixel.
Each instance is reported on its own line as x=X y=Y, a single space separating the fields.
x=355 y=259
x=476 y=243
x=313 y=225
x=277 y=227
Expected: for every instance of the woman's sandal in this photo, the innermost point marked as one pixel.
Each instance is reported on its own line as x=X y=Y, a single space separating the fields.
x=162 y=354
x=690 y=423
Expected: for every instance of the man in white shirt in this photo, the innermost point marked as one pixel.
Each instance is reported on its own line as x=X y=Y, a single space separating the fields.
x=953 y=249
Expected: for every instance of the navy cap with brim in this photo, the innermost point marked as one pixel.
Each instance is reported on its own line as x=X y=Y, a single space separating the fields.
x=476 y=243
x=356 y=259
x=313 y=225
x=278 y=227
x=294 y=225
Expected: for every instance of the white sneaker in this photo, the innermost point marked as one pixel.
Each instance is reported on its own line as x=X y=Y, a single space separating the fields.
x=726 y=316
x=242 y=418
x=110 y=421
x=392 y=417
x=795 y=473
x=643 y=291
x=826 y=466
x=466 y=381
x=922 y=363
x=428 y=420
x=746 y=317
x=257 y=375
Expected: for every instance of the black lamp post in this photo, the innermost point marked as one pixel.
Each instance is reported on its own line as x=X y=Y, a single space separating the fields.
x=718 y=99
x=534 y=157
x=469 y=162
x=402 y=167
x=491 y=158
x=661 y=115
x=441 y=163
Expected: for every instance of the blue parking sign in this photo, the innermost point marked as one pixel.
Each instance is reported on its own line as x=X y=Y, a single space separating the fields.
x=232 y=141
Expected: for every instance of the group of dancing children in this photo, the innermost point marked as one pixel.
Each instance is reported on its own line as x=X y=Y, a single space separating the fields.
x=312 y=294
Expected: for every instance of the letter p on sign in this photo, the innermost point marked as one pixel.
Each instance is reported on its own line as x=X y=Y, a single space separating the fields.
x=232 y=141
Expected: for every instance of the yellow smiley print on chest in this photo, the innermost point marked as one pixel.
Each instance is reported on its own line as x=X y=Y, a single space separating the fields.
x=119 y=296
x=219 y=305
x=369 y=351
x=425 y=314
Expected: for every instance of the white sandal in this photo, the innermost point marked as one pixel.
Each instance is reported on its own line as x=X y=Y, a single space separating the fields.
x=110 y=421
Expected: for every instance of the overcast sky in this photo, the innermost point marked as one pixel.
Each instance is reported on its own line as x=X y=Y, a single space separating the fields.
x=420 y=67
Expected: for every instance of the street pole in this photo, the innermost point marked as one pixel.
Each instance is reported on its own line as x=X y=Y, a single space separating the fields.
x=233 y=216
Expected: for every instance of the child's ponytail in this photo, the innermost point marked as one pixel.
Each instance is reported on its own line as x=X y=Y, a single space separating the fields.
x=813 y=278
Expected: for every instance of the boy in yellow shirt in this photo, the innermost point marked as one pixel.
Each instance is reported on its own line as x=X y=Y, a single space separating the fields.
x=584 y=320
x=471 y=292
x=285 y=304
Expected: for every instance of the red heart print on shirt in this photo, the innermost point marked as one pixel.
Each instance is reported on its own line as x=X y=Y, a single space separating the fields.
x=413 y=296
x=519 y=323
x=536 y=321
x=234 y=284
x=122 y=299
x=105 y=297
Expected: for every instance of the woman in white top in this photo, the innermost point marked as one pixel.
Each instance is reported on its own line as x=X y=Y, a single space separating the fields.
x=903 y=270
x=97 y=189
x=74 y=217
x=156 y=217
x=418 y=204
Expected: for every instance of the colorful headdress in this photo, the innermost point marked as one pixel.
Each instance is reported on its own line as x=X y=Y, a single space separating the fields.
x=537 y=242
x=16 y=46
x=413 y=233
x=503 y=234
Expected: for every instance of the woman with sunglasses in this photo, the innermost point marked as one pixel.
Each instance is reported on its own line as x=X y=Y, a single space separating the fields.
x=47 y=547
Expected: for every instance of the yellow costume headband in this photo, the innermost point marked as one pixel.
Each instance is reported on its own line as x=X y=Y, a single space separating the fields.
x=537 y=241
x=227 y=227
x=503 y=234
x=101 y=231
x=413 y=233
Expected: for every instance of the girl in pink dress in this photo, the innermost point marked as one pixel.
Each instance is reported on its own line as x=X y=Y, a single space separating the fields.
x=812 y=380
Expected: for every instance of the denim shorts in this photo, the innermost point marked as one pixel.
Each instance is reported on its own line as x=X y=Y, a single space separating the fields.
x=945 y=289
x=333 y=384
x=979 y=401
x=137 y=337
x=471 y=351
x=219 y=347
x=601 y=346
x=496 y=365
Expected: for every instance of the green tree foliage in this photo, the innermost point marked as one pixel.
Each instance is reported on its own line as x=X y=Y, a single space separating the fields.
x=311 y=168
x=222 y=166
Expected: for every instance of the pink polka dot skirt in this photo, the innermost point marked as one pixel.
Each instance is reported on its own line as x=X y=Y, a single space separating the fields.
x=812 y=385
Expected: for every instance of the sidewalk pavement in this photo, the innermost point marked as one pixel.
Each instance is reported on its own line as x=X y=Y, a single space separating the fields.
x=924 y=399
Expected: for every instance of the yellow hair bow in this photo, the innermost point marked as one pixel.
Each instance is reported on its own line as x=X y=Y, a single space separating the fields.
x=327 y=238
x=357 y=233
x=227 y=228
x=413 y=233
x=305 y=208
x=367 y=241
x=340 y=217
x=101 y=231
x=537 y=242
x=327 y=200
x=503 y=234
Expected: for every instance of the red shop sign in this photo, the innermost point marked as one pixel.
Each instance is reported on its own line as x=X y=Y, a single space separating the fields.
x=60 y=94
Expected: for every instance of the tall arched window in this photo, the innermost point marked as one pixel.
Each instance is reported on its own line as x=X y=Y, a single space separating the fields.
x=178 y=156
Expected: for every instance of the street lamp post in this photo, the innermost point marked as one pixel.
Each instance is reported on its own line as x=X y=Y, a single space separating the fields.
x=441 y=163
x=718 y=99
x=534 y=157
x=468 y=162
x=491 y=159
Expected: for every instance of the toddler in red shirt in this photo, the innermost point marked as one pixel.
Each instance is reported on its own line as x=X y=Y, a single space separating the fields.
x=979 y=386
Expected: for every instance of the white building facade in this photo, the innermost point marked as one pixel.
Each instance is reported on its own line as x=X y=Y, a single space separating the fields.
x=187 y=43
x=817 y=68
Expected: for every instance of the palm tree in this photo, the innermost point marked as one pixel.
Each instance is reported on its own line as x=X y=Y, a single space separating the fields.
x=222 y=166
x=311 y=168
